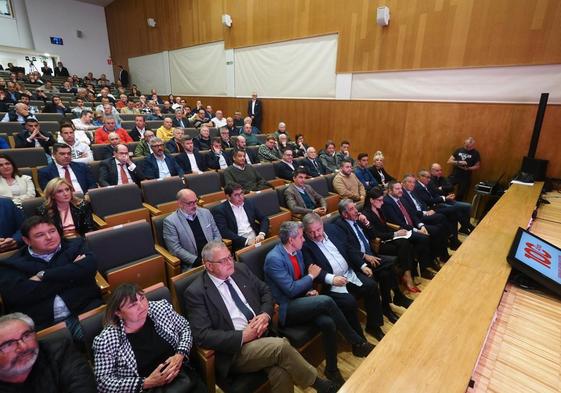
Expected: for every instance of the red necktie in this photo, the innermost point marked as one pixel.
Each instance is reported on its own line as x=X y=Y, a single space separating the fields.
x=67 y=174
x=408 y=219
x=296 y=266
x=124 y=178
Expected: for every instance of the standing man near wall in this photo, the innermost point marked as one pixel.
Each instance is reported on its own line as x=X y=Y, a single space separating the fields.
x=124 y=76
x=465 y=160
x=255 y=110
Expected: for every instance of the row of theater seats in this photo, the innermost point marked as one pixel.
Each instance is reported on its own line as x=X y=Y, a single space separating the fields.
x=59 y=116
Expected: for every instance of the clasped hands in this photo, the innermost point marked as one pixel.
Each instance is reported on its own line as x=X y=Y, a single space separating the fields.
x=256 y=327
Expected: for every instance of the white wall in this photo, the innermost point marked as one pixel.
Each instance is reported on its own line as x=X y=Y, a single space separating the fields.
x=63 y=18
x=15 y=31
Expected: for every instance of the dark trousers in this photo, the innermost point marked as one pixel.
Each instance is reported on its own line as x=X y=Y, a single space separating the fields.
x=322 y=311
x=422 y=246
x=452 y=219
x=462 y=188
x=403 y=250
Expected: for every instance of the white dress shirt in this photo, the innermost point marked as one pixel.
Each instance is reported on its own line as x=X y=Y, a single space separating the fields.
x=244 y=226
x=162 y=167
x=75 y=183
x=239 y=320
x=194 y=167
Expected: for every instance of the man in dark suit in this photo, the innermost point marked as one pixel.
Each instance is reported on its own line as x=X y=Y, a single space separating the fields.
x=56 y=106
x=160 y=165
x=325 y=246
x=61 y=70
x=124 y=76
x=299 y=303
x=361 y=254
x=12 y=218
x=31 y=136
x=190 y=161
x=229 y=311
x=216 y=157
x=240 y=144
x=175 y=144
x=179 y=120
x=119 y=169
x=137 y=132
x=255 y=110
x=46 y=70
x=51 y=280
x=239 y=220
x=80 y=175
x=285 y=168
x=312 y=164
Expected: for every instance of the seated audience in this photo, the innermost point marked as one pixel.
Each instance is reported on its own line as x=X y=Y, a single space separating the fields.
x=342 y=280
x=216 y=157
x=203 y=141
x=109 y=125
x=254 y=129
x=13 y=185
x=49 y=88
x=167 y=109
x=178 y=120
x=155 y=340
x=156 y=114
x=12 y=218
x=363 y=173
x=238 y=120
x=71 y=215
x=286 y=166
x=31 y=136
x=299 y=303
x=283 y=143
x=300 y=148
x=199 y=119
x=244 y=174
x=233 y=320
x=130 y=109
x=80 y=107
x=314 y=167
x=109 y=110
x=232 y=129
x=107 y=151
x=218 y=120
x=159 y=164
x=84 y=126
x=29 y=365
x=344 y=153
x=225 y=139
x=137 y=132
x=360 y=253
x=68 y=88
x=165 y=131
x=250 y=138
x=346 y=184
x=122 y=103
x=143 y=148
x=52 y=279
x=76 y=173
x=301 y=198
x=119 y=169
x=281 y=130
x=378 y=171
x=174 y=145
x=240 y=145
x=329 y=158
x=56 y=106
x=81 y=151
x=189 y=229
x=239 y=220
x=269 y=151
x=190 y=160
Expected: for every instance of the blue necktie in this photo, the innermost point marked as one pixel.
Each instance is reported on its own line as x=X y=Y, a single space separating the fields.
x=367 y=249
x=239 y=303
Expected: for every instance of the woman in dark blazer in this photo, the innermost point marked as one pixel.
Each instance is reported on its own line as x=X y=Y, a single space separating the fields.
x=378 y=171
x=72 y=215
x=399 y=247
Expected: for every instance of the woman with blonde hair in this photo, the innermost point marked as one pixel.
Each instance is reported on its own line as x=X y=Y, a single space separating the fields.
x=12 y=184
x=378 y=171
x=71 y=215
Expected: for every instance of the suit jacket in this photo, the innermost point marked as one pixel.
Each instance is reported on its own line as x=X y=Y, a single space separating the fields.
x=212 y=160
x=11 y=221
x=52 y=108
x=284 y=171
x=108 y=175
x=177 y=124
x=82 y=171
x=174 y=147
x=150 y=168
x=352 y=244
x=179 y=237
x=442 y=185
x=62 y=71
x=124 y=77
x=81 y=215
x=393 y=214
x=226 y=222
x=279 y=275
x=410 y=205
x=296 y=203
x=252 y=155
x=257 y=113
x=184 y=163
x=73 y=281
x=210 y=320
x=387 y=176
x=377 y=227
x=135 y=134
x=311 y=169
x=427 y=195
x=21 y=141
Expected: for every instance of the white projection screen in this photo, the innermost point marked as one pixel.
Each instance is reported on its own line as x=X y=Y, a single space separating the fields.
x=151 y=72
x=299 y=68
x=199 y=70
x=517 y=84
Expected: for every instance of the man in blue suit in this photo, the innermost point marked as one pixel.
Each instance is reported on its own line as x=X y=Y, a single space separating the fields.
x=300 y=303
x=62 y=166
x=159 y=165
x=12 y=218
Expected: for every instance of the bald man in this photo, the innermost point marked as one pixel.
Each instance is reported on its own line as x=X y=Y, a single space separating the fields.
x=189 y=229
x=465 y=160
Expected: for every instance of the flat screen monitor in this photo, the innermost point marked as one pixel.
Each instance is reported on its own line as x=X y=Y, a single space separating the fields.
x=536 y=258
x=56 y=40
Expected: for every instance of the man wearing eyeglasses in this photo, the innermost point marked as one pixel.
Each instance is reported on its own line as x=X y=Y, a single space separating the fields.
x=159 y=164
x=27 y=365
x=189 y=229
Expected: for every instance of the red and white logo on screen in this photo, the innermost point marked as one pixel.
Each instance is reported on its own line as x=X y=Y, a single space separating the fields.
x=538 y=254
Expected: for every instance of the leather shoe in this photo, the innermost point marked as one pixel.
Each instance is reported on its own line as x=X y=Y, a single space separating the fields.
x=455 y=244
x=335 y=376
x=375 y=332
x=392 y=317
x=427 y=274
x=464 y=230
x=402 y=300
x=325 y=386
x=363 y=349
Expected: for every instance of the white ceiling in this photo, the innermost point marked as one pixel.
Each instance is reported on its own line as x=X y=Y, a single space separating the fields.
x=102 y=3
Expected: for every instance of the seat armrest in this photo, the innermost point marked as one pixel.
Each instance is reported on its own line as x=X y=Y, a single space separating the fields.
x=227 y=242
x=395 y=227
x=207 y=361
x=173 y=263
x=98 y=221
x=102 y=284
x=153 y=211
x=276 y=220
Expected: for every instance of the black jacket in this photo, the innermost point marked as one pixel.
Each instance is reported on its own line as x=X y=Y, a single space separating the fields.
x=212 y=160
x=311 y=170
x=81 y=215
x=184 y=163
x=21 y=141
x=108 y=173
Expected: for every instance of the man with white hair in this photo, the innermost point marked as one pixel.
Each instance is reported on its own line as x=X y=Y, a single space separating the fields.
x=29 y=365
x=218 y=120
x=281 y=131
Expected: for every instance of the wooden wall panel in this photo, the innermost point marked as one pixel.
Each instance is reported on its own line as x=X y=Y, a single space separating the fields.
x=422 y=33
x=413 y=135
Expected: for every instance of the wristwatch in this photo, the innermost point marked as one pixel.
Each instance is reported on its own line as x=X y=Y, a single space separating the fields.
x=40 y=274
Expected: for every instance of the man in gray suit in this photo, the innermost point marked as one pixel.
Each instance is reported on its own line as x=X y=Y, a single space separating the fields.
x=301 y=198
x=188 y=230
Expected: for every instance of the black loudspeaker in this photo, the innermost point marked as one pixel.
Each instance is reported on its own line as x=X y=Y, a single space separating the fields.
x=535 y=166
